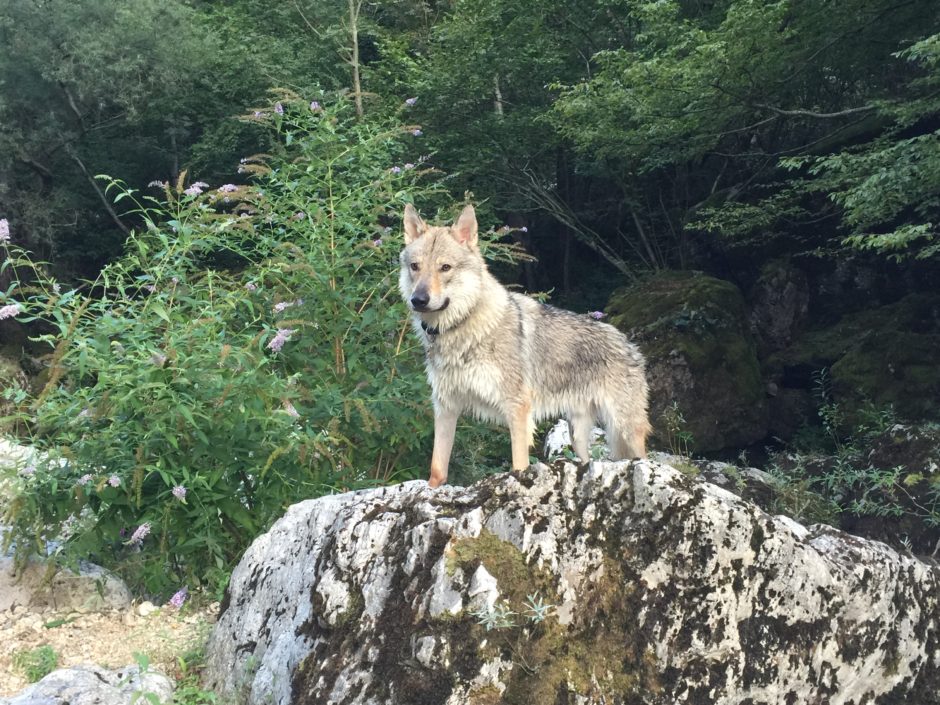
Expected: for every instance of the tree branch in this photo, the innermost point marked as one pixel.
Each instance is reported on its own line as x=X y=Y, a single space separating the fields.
x=101 y=194
x=306 y=21
x=813 y=114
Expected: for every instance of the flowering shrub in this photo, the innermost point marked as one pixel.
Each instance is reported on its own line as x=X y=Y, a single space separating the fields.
x=248 y=351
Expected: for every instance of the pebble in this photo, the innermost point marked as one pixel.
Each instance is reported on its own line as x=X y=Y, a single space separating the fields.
x=145 y=609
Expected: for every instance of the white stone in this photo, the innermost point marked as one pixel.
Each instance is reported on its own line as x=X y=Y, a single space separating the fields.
x=484 y=590
x=88 y=684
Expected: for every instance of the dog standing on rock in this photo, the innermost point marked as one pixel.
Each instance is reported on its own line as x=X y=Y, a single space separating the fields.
x=505 y=357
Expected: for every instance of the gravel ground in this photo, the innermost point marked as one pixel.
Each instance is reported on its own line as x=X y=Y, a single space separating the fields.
x=107 y=639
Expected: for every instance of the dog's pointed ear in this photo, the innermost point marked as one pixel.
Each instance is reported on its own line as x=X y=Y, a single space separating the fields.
x=414 y=226
x=465 y=229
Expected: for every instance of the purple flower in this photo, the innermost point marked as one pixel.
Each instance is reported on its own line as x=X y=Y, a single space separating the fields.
x=377 y=242
x=150 y=288
x=282 y=336
x=597 y=315
x=179 y=492
x=251 y=286
x=179 y=597
x=157 y=184
x=291 y=411
x=227 y=188
x=28 y=470
x=314 y=106
x=283 y=305
x=395 y=170
x=140 y=533
x=114 y=481
x=299 y=215
x=410 y=101
x=417 y=133
x=409 y=166
x=524 y=229
x=196 y=188
x=158 y=359
x=85 y=479
x=9 y=311
x=4 y=230
x=259 y=114
x=278 y=108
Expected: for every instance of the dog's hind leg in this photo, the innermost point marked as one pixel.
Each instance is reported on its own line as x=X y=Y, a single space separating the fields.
x=581 y=425
x=627 y=443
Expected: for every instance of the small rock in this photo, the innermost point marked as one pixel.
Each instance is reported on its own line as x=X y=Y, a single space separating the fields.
x=93 y=685
x=146 y=608
x=29 y=588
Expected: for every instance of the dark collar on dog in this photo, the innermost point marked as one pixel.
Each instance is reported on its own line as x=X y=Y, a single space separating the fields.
x=432 y=331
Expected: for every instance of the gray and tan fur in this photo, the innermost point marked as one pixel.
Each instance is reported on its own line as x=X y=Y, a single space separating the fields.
x=505 y=357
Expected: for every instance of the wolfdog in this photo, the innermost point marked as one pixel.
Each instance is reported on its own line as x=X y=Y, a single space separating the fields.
x=505 y=357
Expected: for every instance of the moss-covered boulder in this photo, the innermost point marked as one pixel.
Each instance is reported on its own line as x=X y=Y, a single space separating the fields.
x=889 y=355
x=701 y=355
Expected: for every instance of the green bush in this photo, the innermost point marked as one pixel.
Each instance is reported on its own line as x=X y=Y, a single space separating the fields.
x=36 y=663
x=248 y=351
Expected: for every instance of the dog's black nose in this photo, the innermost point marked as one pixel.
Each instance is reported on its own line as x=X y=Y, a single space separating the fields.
x=420 y=300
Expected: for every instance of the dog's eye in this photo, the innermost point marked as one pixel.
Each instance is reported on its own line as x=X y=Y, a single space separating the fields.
x=446 y=268
x=415 y=267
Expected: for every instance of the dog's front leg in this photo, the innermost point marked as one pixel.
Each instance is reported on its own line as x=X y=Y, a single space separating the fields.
x=445 y=426
x=521 y=430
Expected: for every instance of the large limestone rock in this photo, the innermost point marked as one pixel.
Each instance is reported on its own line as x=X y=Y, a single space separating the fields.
x=700 y=354
x=92 y=685
x=666 y=589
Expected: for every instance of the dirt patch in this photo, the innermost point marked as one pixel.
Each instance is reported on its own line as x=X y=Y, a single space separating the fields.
x=107 y=639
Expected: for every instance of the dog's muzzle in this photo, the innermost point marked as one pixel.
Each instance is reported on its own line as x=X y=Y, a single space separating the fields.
x=420 y=301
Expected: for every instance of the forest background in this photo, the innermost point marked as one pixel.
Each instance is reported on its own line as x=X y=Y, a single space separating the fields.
x=603 y=142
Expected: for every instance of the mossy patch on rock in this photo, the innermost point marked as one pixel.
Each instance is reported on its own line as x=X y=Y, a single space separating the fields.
x=502 y=560
x=700 y=353
x=886 y=355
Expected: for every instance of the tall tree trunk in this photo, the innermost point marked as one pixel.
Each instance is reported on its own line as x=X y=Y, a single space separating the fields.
x=498 y=96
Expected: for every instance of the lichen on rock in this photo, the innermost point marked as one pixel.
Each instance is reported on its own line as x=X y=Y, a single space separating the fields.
x=663 y=588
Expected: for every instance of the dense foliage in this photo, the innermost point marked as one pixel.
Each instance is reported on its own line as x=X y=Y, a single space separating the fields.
x=247 y=351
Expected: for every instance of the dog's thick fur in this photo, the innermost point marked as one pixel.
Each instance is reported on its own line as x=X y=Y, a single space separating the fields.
x=506 y=357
